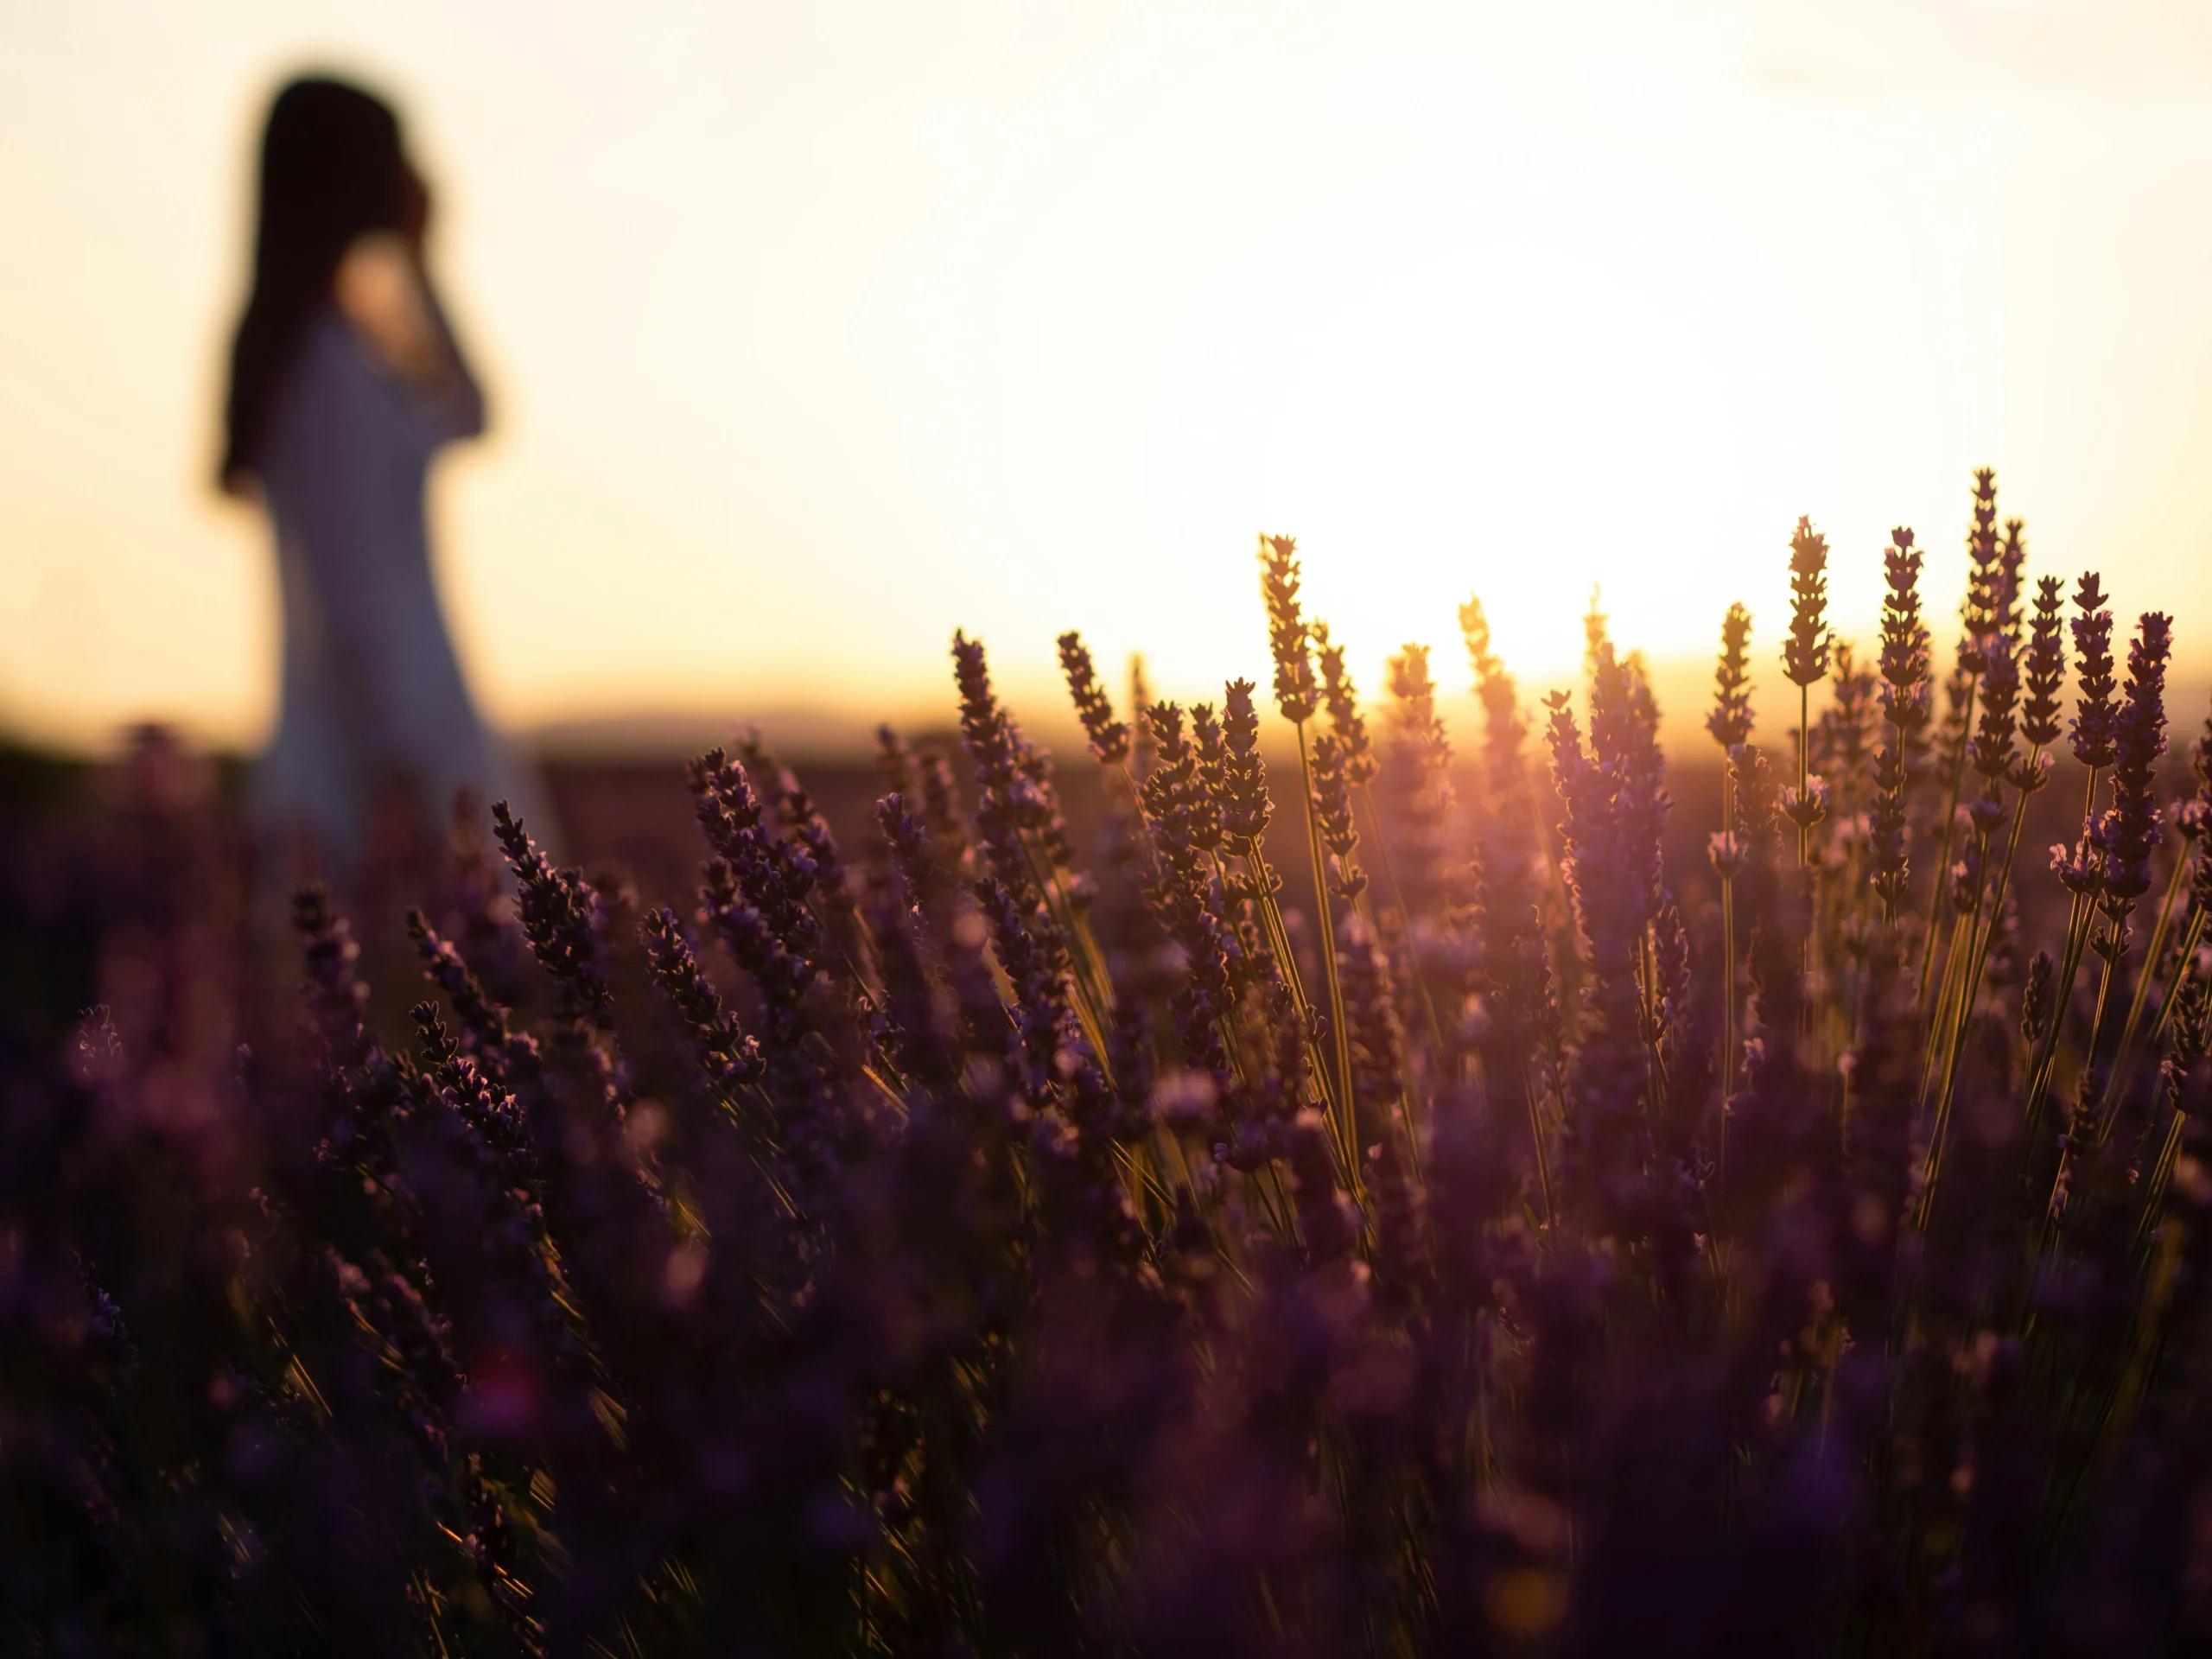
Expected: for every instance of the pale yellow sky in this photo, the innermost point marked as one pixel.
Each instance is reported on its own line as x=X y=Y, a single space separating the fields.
x=818 y=331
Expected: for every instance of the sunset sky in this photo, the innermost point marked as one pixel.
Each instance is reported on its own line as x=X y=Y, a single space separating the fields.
x=817 y=331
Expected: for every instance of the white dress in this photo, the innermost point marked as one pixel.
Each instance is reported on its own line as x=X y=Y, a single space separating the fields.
x=373 y=691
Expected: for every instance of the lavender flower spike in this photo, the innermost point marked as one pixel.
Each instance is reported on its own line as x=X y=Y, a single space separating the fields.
x=1805 y=652
x=1109 y=738
x=1288 y=636
x=2129 y=832
x=1730 y=722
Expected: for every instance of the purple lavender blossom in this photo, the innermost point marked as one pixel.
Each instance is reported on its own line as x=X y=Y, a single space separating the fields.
x=2128 y=835
x=2093 y=712
x=1109 y=738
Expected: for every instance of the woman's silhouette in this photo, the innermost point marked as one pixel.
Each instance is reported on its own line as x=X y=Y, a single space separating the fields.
x=345 y=381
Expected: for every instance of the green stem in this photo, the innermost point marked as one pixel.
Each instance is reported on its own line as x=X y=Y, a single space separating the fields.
x=2190 y=941
x=2154 y=1194
x=1950 y=826
x=1804 y=765
x=1093 y=1000
x=1729 y=1029
x=1807 y=948
x=1537 y=1135
x=1978 y=959
x=1347 y=1133
x=1257 y=866
x=1946 y=983
x=2079 y=921
x=2123 y=1056
x=2117 y=915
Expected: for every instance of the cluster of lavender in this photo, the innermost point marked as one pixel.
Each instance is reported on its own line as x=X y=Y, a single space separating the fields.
x=1375 y=1203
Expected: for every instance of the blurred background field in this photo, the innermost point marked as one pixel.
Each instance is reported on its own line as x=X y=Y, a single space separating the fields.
x=627 y=814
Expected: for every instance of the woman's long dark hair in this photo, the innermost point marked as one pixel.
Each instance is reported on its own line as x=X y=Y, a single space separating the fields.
x=333 y=168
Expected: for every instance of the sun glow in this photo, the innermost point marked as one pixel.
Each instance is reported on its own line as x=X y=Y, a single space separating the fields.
x=1526 y=376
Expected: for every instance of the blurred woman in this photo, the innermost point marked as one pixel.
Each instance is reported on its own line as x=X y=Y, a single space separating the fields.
x=345 y=380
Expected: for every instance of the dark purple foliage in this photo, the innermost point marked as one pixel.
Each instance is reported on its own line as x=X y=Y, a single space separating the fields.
x=1501 y=1239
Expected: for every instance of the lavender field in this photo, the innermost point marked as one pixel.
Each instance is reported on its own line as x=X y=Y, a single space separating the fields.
x=1291 y=1180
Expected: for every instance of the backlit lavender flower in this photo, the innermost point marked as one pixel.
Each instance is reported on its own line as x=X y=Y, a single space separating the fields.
x=1013 y=796
x=940 y=808
x=1756 y=793
x=1985 y=574
x=1040 y=808
x=1808 y=805
x=1905 y=668
x=488 y=1117
x=2011 y=560
x=1333 y=818
x=1414 y=699
x=2038 y=999
x=1109 y=738
x=365 y=1080
x=2193 y=818
x=1503 y=731
x=2046 y=666
x=2128 y=834
x=1724 y=852
x=1845 y=732
x=1185 y=893
x=1042 y=1021
x=894 y=763
x=774 y=875
x=1805 y=652
x=1209 y=749
x=1418 y=779
x=1625 y=734
x=989 y=735
x=1966 y=876
x=1288 y=637
x=487 y=1029
x=1991 y=750
x=2081 y=867
x=560 y=916
x=2187 y=1037
x=1604 y=862
x=1805 y=660
x=804 y=827
x=1889 y=829
x=1343 y=703
x=727 y=1054
x=1244 y=805
x=1326 y=1221
x=1730 y=722
x=2094 y=710
x=1141 y=698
